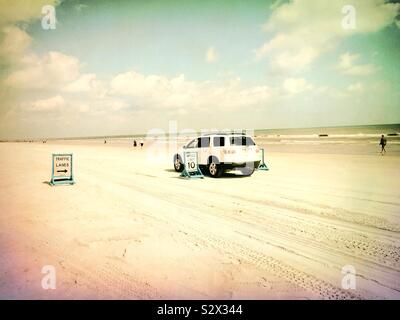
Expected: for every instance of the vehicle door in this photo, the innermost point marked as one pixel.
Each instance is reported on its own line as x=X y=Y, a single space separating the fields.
x=218 y=148
x=203 y=147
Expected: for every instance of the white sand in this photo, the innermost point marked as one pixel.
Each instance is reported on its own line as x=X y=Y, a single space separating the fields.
x=131 y=228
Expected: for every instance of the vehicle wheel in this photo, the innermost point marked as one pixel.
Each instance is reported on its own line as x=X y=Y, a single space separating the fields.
x=178 y=165
x=214 y=168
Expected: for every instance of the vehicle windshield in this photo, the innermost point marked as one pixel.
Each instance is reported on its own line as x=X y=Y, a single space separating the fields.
x=241 y=141
x=192 y=144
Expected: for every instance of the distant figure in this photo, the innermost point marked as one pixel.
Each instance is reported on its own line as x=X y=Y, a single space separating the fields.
x=134 y=143
x=105 y=141
x=141 y=143
x=382 y=143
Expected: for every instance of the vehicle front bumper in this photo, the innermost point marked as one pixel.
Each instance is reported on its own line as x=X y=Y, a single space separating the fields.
x=233 y=165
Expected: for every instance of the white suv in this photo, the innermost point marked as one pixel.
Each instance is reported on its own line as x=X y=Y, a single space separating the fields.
x=222 y=152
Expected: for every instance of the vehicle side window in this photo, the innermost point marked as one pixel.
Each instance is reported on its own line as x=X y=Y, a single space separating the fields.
x=219 y=141
x=249 y=141
x=236 y=141
x=241 y=141
x=192 y=144
x=203 y=142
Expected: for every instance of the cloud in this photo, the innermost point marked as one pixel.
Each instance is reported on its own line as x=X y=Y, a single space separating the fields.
x=14 y=43
x=211 y=55
x=69 y=106
x=155 y=91
x=14 y=40
x=21 y=11
x=296 y=85
x=355 y=88
x=87 y=83
x=52 y=104
x=52 y=70
x=347 y=65
x=80 y=7
x=118 y=105
x=294 y=62
x=303 y=29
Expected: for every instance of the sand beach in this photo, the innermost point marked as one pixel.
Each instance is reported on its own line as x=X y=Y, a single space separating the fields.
x=130 y=228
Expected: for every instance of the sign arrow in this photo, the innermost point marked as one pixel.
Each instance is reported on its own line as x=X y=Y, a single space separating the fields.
x=65 y=171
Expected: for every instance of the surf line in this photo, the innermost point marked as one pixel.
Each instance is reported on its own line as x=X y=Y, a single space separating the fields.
x=185 y=311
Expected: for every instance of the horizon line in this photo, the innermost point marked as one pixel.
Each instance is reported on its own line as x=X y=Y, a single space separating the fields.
x=138 y=135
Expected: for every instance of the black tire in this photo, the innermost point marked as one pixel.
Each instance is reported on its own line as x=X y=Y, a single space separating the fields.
x=178 y=163
x=215 y=169
x=203 y=168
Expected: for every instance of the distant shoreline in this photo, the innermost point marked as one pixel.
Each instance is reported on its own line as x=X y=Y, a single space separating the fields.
x=387 y=129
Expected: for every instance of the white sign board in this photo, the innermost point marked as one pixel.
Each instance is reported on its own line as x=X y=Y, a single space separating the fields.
x=62 y=166
x=191 y=161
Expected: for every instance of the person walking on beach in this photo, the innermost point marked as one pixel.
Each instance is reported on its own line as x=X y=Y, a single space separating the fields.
x=134 y=143
x=382 y=143
x=141 y=143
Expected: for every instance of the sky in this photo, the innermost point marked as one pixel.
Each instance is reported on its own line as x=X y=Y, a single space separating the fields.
x=127 y=67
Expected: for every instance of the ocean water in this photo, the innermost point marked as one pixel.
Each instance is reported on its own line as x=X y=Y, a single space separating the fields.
x=332 y=135
x=342 y=131
x=362 y=140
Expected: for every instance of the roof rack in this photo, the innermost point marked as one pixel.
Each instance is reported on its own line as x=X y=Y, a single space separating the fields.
x=221 y=133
